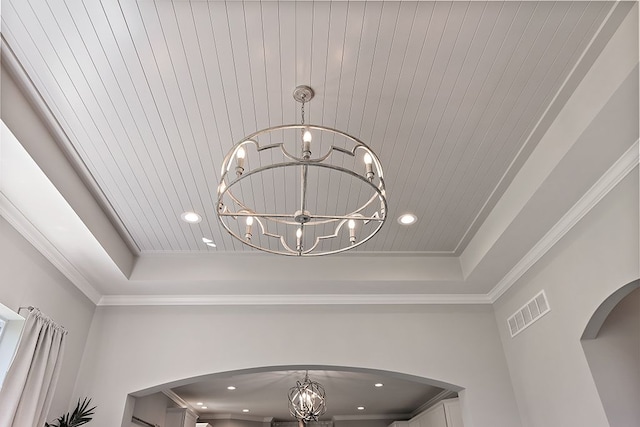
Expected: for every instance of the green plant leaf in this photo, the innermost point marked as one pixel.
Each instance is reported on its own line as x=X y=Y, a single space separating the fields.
x=81 y=414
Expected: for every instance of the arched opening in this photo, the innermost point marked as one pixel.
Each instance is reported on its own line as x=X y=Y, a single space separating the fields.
x=611 y=342
x=257 y=397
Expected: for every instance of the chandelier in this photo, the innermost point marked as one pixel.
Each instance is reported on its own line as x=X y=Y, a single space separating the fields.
x=301 y=189
x=306 y=400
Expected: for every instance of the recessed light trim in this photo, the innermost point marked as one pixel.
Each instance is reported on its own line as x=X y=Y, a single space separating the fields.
x=191 y=217
x=407 y=219
x=231 y=387
x=208 y=242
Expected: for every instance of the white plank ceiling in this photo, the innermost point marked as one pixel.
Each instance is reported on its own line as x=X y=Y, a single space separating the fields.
x=152 y=94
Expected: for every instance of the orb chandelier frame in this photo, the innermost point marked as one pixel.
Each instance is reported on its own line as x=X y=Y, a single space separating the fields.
x=307 y=400
x=232 y=208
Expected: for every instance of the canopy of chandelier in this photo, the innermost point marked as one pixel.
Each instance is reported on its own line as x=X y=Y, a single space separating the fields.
x=301 y=189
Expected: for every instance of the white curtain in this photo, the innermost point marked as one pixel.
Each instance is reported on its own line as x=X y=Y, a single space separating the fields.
x=30 y=382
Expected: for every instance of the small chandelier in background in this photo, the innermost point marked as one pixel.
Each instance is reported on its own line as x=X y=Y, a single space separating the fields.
x=301 y=190
x=306 y=400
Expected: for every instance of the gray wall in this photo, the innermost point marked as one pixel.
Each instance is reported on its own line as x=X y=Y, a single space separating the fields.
x=614 y=359
x=452 y=344
x=549 y=371
x=28 y=278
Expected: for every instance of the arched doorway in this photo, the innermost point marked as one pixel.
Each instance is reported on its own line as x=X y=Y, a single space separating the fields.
x=611 y=342
x=258 y=396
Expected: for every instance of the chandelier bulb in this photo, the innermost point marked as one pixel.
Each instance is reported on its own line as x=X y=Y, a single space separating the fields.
x=306 y=137
x=240 y=156
x=352 y=231
x=368 y=165
x=306 y=144
x=299 y=239
x=248 y=232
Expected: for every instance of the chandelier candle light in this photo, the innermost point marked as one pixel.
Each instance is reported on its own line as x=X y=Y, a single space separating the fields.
x=302 y=189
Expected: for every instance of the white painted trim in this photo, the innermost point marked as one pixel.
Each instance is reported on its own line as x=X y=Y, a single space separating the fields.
x=30 y=232
x=444 y=394
x=188 y=300
x=179 y=401
x=621 y=168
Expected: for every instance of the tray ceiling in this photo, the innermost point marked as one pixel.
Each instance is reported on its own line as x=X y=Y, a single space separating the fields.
x=151 y=95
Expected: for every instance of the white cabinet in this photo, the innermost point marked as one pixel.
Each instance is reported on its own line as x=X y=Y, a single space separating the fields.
x=180 y=417
x=445 y=413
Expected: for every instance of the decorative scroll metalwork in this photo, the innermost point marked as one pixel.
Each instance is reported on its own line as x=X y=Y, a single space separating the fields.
x=307 y=400
x=301 y=231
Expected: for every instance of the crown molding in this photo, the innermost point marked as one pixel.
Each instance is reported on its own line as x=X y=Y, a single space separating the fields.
x=188 y=300
x=620 y=169
x=30 y=232
x=179 y=401
x=444 y=394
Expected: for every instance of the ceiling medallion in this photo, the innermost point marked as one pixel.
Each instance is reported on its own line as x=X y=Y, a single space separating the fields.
x=306 y=400
x=301 y=190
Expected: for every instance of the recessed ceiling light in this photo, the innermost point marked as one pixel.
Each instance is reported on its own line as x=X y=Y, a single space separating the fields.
x=245 y=410
x=231 y=387
x=378 y=384
x=407 y=219
x=203 y=407
x=191 y=217
x=208 y=242
x=199 y=403
x=360 y=408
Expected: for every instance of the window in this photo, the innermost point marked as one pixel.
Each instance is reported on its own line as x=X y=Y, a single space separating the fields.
x=11 y=324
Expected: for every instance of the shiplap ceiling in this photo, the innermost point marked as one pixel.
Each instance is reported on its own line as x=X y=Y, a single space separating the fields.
x=151 y=95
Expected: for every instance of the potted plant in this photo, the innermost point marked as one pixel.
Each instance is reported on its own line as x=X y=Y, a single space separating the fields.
x=80 y=415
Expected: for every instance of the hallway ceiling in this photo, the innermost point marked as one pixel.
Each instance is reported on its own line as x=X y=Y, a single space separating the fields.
x=264 y=394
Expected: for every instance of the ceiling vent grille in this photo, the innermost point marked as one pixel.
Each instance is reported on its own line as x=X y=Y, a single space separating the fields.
x=534 y=309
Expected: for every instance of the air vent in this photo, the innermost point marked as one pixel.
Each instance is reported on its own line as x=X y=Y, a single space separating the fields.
x=528 y=313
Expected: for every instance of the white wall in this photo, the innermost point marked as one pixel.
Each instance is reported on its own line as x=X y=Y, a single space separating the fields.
x=614 y=359
x=134 y=348
x=549 y=370
x=27 y=278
